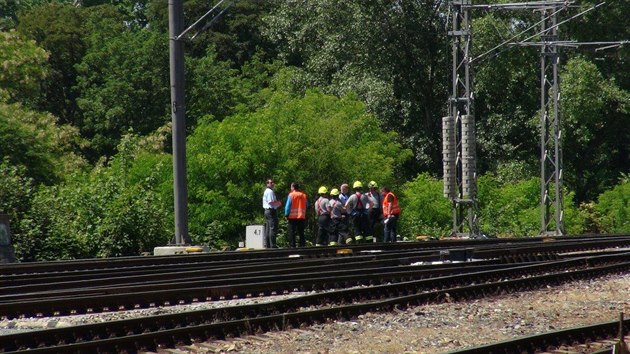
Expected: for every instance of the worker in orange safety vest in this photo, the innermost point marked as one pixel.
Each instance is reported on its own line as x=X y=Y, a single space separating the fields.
x=391 y=212
x=295 y=211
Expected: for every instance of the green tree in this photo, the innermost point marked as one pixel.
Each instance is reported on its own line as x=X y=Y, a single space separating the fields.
x=391 y=54
x=123 y=84
x=98 y=214
x=315 y=140
x=596 y=128
x=506 y=92
x=210 y=89
x=35 y=151
x=235 y=34
x=425 y=211
x=606 y=23
x=34 y=140
x=22 y=62
x=9 y=10
x=613 y=209
x=59 y=30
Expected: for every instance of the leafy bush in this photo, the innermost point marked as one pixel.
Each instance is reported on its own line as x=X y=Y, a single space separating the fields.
x=315 y=140
x=98 y=214
x=34 y=141
x=613 y=209
x=425 y=211
x=512 y=208
x=16 y=192
x=507 y=208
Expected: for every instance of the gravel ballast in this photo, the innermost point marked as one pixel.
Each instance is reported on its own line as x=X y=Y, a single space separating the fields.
x=446 y=327
x=436 y=328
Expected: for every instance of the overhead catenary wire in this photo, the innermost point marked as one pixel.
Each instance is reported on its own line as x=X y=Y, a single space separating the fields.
x=575 y=44
x=202 y=18
x=207 y=25
x=509 y=42
x=565 y=21
x=521 y=5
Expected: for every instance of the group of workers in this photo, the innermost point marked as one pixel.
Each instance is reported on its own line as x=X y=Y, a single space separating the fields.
x=342 y=218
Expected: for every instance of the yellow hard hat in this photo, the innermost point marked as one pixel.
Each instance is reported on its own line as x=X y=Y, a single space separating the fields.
x=334 y=192
x=357 y=184
x=373 y=184
x=322 y=190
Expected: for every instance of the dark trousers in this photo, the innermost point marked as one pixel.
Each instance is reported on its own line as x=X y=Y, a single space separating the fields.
x=375 y=216
x=323 y=223
x=339 y=231
x=271 y=227
x=296 y=225
x=360 y=223
x=389 y=230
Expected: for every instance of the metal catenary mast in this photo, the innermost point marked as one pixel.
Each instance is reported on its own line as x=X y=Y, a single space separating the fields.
x=551 y=198
x=458 y=128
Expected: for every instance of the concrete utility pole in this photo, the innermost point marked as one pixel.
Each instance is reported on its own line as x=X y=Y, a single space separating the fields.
x=176 y=35
x=178 y=116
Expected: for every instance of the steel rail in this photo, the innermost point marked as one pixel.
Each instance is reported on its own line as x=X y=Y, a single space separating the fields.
x=551 y=340
x=482 y=252
x=207 y=268
x=549 y=247
x=204 y=291
x=113 y=299
x=187 y=275
x=311 y=252
x=115 y=285
x=232 y=266
x=151 y=333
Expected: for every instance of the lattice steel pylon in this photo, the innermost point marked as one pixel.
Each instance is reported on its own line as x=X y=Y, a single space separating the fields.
x=551 y=198
x=458 y=128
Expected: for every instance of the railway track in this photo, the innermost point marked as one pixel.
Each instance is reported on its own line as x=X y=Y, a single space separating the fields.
x=155 y=332
x=385 y=276
x=60 y=272
x=607 y=337
x=125 y=291
x=151 y=263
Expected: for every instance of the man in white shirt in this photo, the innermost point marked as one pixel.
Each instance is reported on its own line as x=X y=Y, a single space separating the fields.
x=270 y=204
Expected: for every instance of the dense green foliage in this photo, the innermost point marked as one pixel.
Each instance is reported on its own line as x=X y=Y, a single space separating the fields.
x=597 y=128
x=16 y=191
x=392 y=55
x=21 y=68
x=506 y=209
x=613 y=208
x=59 y=30
x=96 y=214
x=424 y=210
x=315 y=140
x=511 y=208
x=110 y=106
x=35 y=142
x=322 y=92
